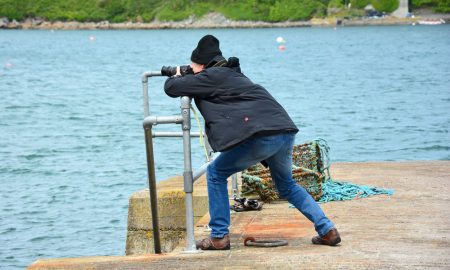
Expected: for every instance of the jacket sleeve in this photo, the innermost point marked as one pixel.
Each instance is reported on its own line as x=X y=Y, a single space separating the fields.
x=199 y=85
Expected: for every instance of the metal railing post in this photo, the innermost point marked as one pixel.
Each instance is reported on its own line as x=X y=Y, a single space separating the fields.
x=145 y=77
x=234 y=186
x=187 y=174
x=152 y=187
x=151 y=164
x=185 y=120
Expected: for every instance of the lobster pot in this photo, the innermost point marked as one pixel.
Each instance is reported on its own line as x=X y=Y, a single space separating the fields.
x=308 y=156
x=307 y=170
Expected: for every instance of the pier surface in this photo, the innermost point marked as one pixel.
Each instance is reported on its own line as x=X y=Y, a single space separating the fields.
x=409 y=230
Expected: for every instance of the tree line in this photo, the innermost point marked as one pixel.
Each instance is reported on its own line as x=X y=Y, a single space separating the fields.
x=176 y=10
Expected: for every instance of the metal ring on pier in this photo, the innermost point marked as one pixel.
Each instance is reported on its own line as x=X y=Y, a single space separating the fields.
x=251 y=241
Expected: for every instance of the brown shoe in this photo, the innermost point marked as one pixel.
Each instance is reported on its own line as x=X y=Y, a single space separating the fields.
x=212 y=243
x=332 y=238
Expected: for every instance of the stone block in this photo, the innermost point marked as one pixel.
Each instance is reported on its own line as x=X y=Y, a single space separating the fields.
x=141 y=242
x=171 y=215
x=171 y=210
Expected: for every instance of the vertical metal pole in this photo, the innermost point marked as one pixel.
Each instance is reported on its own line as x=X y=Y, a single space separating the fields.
x=152 y=188
x=145 y=92
x=234 y=185
x=151 y=163
x=187 y=174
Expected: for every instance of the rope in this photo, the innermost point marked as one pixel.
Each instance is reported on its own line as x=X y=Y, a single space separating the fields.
x=341 y=191
x=325 y=156
x=202 y=141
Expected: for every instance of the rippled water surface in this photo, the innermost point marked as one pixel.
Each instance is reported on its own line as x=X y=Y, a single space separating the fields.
x=71 y=139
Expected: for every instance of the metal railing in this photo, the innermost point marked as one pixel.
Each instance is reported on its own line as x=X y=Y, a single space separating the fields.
x=189 y=176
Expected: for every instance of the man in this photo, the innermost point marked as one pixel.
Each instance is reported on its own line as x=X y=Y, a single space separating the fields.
x=245 y=123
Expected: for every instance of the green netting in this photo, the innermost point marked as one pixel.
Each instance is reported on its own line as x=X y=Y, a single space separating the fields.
x=310 y=169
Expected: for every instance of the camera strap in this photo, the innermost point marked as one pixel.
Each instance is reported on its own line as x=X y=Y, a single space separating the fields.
x=202 y=140
x=217 y=61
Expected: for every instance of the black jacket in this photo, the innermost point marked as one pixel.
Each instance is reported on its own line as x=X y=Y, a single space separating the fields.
x=234 y=108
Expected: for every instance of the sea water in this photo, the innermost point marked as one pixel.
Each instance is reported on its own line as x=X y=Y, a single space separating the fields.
x=71 y=140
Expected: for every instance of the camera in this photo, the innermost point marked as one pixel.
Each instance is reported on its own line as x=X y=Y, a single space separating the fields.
x=171 y=71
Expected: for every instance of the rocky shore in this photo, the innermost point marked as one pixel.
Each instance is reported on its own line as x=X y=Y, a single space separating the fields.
x=212 y=20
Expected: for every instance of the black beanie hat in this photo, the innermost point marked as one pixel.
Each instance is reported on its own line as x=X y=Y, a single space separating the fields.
x=207 y=49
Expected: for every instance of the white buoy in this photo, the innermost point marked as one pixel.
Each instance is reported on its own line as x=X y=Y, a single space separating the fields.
x=8 y=65
x=92 y=38
x=280 y=40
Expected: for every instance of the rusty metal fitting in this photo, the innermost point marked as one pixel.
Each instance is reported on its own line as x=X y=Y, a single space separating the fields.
x=251 y=241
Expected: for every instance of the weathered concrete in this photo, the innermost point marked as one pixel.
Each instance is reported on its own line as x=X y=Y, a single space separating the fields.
x=409 y=230
x=171 y=212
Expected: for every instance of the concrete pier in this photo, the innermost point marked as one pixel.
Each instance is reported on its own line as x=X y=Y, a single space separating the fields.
x=172 y=215
x=409 y=230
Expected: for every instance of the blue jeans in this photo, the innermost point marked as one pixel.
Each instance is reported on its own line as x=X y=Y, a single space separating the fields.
x=276 y=150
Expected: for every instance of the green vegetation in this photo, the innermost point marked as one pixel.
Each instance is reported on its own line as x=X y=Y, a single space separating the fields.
x=436 y=5
x=360 y=3
x=175 y=10
x=296 y=10
x=385 y=5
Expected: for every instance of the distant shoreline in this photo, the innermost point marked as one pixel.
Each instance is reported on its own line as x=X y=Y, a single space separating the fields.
x=213 y=20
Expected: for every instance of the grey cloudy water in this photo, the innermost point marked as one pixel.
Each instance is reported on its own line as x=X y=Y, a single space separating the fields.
x=71 y=139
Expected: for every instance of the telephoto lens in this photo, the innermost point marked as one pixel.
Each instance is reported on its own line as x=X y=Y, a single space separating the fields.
x=172 y=71
x=168 y=71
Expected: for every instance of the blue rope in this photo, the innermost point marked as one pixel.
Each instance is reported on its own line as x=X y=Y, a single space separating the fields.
x=343 y=191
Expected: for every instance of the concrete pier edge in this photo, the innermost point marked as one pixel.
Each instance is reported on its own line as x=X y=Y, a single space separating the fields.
x=409 y=230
